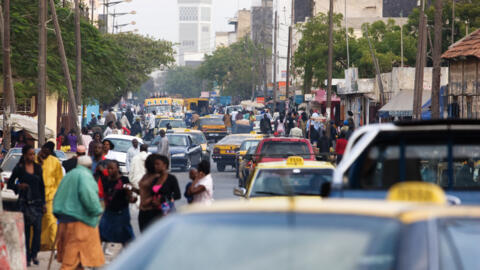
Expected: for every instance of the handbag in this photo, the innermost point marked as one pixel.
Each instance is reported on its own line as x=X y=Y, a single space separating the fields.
x=30 y=208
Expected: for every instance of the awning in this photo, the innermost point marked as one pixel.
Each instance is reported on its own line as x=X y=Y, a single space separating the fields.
x=401 y=105
x=321 y=96
x=27 y=123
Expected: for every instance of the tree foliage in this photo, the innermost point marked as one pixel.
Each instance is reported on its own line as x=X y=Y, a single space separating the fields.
x=183 y=81
x=112 y=64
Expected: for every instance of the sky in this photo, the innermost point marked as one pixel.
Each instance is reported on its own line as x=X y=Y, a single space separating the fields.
x=159 y=18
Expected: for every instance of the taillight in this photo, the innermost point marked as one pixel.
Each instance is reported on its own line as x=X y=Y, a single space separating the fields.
x=216 y=151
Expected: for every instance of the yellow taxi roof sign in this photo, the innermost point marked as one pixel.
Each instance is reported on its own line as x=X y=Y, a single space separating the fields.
x=417 y=192
x=187 y=130
x=253 y=132
x=295 y=161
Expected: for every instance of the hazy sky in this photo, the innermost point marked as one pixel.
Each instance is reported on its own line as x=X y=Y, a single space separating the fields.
x=159 y=18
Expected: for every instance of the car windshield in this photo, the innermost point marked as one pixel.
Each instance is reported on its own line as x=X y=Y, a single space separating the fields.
x=266 y=241
x=284 y=149
x=158 y=108
x=247 y=144
x=176 y=140
x=234 y=108
x=198 y=138
x=285 y=182
x=382 y=165
x=173 y=123
x=10 y=163
x=211 y=121
x=233 y=140
x=121 y=145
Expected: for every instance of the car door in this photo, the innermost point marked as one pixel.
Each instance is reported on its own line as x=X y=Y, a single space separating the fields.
x=195 y=151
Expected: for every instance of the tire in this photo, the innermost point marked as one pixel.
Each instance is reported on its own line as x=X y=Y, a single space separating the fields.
x=188 y=166
x=220 y=167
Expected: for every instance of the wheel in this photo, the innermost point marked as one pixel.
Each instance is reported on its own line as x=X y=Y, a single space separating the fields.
x=220 y=167
x=188 y=166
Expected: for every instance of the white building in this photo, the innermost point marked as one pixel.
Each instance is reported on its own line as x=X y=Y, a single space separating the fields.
x=195 y=27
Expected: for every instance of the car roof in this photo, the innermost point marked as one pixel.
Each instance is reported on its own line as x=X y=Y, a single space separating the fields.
x=123 y=137
x=284 y=139
x=405 y=212
x=306 y=164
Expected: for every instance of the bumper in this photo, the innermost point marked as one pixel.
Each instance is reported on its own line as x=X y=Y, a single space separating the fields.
x=223 y=159
x=215 y=135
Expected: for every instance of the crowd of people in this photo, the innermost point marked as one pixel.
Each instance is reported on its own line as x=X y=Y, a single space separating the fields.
x=75 y=205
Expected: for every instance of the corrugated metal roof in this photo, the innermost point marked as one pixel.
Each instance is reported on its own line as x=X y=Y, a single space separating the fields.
x=468 y=46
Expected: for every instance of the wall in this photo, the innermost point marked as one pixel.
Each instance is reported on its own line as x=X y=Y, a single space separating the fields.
x=221 y=39
x=244 y=23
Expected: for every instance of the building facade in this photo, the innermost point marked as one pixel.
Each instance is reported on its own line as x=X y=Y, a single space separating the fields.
x=262 y=35
x=195 y=28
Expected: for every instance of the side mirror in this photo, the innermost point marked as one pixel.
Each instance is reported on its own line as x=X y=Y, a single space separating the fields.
x=239 y=191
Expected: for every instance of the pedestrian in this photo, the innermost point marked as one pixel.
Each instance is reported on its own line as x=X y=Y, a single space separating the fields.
x=280 y=125
x=158 y=189
x=303 y=123
x=52 y=175
x=109 y=129
x=27 y=181
x=290 y=122
x=71 y=163
x=93 y=122
x=265 y=125
x=115 y=224
x=125 y=122
x=227 y=121
x=100 y=120
x=131 y=152
x=347 y=129
x=340 y=146
x=137 y=166
x=136 y=127
x=62 y=141
x=323 y=144
x=97 y=138
x=108 y=146
x=111 y=117
x=129 y=115
x=163 y=148
x=192 y=174
x=77 y=207
x=350 y=122
x=296 y=132
x=151 y=125
x=97 y=157
x=202 y=188
x=86 y=138
x=21 y=140
x=72 y=140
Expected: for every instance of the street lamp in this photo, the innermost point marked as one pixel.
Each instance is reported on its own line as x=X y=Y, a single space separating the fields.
x=107 y=4
x=115 y=14
x=118 y=26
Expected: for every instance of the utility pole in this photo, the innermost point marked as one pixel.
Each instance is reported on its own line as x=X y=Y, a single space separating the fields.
x=275 y=86
x=66 y=71
x=329 y=66
x=78 y=64
x=42 y=70
x=8 y=95
x=453 y=21
x=437 y=59
x=420 y=65
x=377 y=68
x=401 y=40
x=289 y=50
x=346 y=35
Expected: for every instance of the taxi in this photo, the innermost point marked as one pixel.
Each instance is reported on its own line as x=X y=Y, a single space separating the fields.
x=311 y=233
x=225 y=151
x=174 y=123
x=212 y=127
x=291 y=177
x=198 y=139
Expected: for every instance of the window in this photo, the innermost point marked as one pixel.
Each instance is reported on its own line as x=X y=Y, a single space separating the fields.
x=205 y=14
x=205 y=28
x=284 y=149
x=188 y=14
x=459 y=244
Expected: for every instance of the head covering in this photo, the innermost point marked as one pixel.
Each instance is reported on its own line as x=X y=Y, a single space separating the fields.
x=81 y=149
x=345 y=122
x=85 y=161
x=49 y=145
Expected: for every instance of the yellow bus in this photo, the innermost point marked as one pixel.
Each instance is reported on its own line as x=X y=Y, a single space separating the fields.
x=163 y=105
x=199 y=105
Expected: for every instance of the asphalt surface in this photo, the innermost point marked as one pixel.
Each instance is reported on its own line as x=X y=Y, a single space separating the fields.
x=223 y=183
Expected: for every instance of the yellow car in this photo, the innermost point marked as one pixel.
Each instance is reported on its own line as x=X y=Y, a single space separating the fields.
x=290 y=177
x=225 y=151
x=212 y=127
x=310 y=233
x=242 y=151
x=198 y=139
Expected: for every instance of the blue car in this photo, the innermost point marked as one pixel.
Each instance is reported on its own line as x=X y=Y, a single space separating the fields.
x=183 y=152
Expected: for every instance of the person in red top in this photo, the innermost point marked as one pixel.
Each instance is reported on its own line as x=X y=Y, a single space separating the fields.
x=340 y=146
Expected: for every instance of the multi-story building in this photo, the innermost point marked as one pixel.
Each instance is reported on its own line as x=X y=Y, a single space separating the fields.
x=195 y=26
x=262 y=34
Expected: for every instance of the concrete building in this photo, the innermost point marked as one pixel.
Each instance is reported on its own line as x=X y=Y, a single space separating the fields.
x=242 y=23
x=195 y=26
x=262 y=33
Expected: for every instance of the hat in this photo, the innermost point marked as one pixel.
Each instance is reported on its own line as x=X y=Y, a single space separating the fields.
x=112 y=146
x=81 y=149
x=84 y=161
x=93 y=113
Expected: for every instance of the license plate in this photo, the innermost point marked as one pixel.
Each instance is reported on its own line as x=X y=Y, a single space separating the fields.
x=213 y=134
x=231 y=151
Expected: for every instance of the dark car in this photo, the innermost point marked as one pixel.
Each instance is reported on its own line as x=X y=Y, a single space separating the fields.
x=183 y=151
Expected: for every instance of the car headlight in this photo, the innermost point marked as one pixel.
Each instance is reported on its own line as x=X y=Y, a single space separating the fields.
x=181 y=155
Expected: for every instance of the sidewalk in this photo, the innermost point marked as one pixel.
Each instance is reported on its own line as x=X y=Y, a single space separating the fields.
x=44 y=257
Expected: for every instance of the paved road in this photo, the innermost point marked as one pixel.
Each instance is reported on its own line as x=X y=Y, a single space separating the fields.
x=224 y=182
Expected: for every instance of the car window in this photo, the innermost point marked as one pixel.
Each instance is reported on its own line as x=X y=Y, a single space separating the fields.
x=173 y=123
x=232 y=139
x=247 y=144
x=121 y=145
x=283 y=149
x=285 y=182
x=252 y=150
x=459 y=244
x=10 y=163
x=381 y=166
x=211 y=121
x=177 y=140
x=198 y=138
x=266 y=241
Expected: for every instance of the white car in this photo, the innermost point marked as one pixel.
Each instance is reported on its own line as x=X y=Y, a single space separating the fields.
x=121 y=145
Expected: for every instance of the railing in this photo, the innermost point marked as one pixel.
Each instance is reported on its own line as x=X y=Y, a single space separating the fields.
x=23 y=107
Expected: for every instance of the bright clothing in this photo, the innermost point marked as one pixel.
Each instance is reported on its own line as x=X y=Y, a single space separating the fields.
x=52 y=176
x=137 y=168
x=204 y=197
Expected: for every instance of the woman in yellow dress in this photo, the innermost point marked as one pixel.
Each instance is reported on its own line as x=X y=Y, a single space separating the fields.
x=52 y=175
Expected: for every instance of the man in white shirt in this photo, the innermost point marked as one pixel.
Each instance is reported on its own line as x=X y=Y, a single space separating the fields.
x=151 y=124
x=131 y=152
x=137 y=166
x=202 y=187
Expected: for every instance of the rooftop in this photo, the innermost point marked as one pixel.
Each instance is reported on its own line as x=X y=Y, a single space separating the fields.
x=468 y=46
